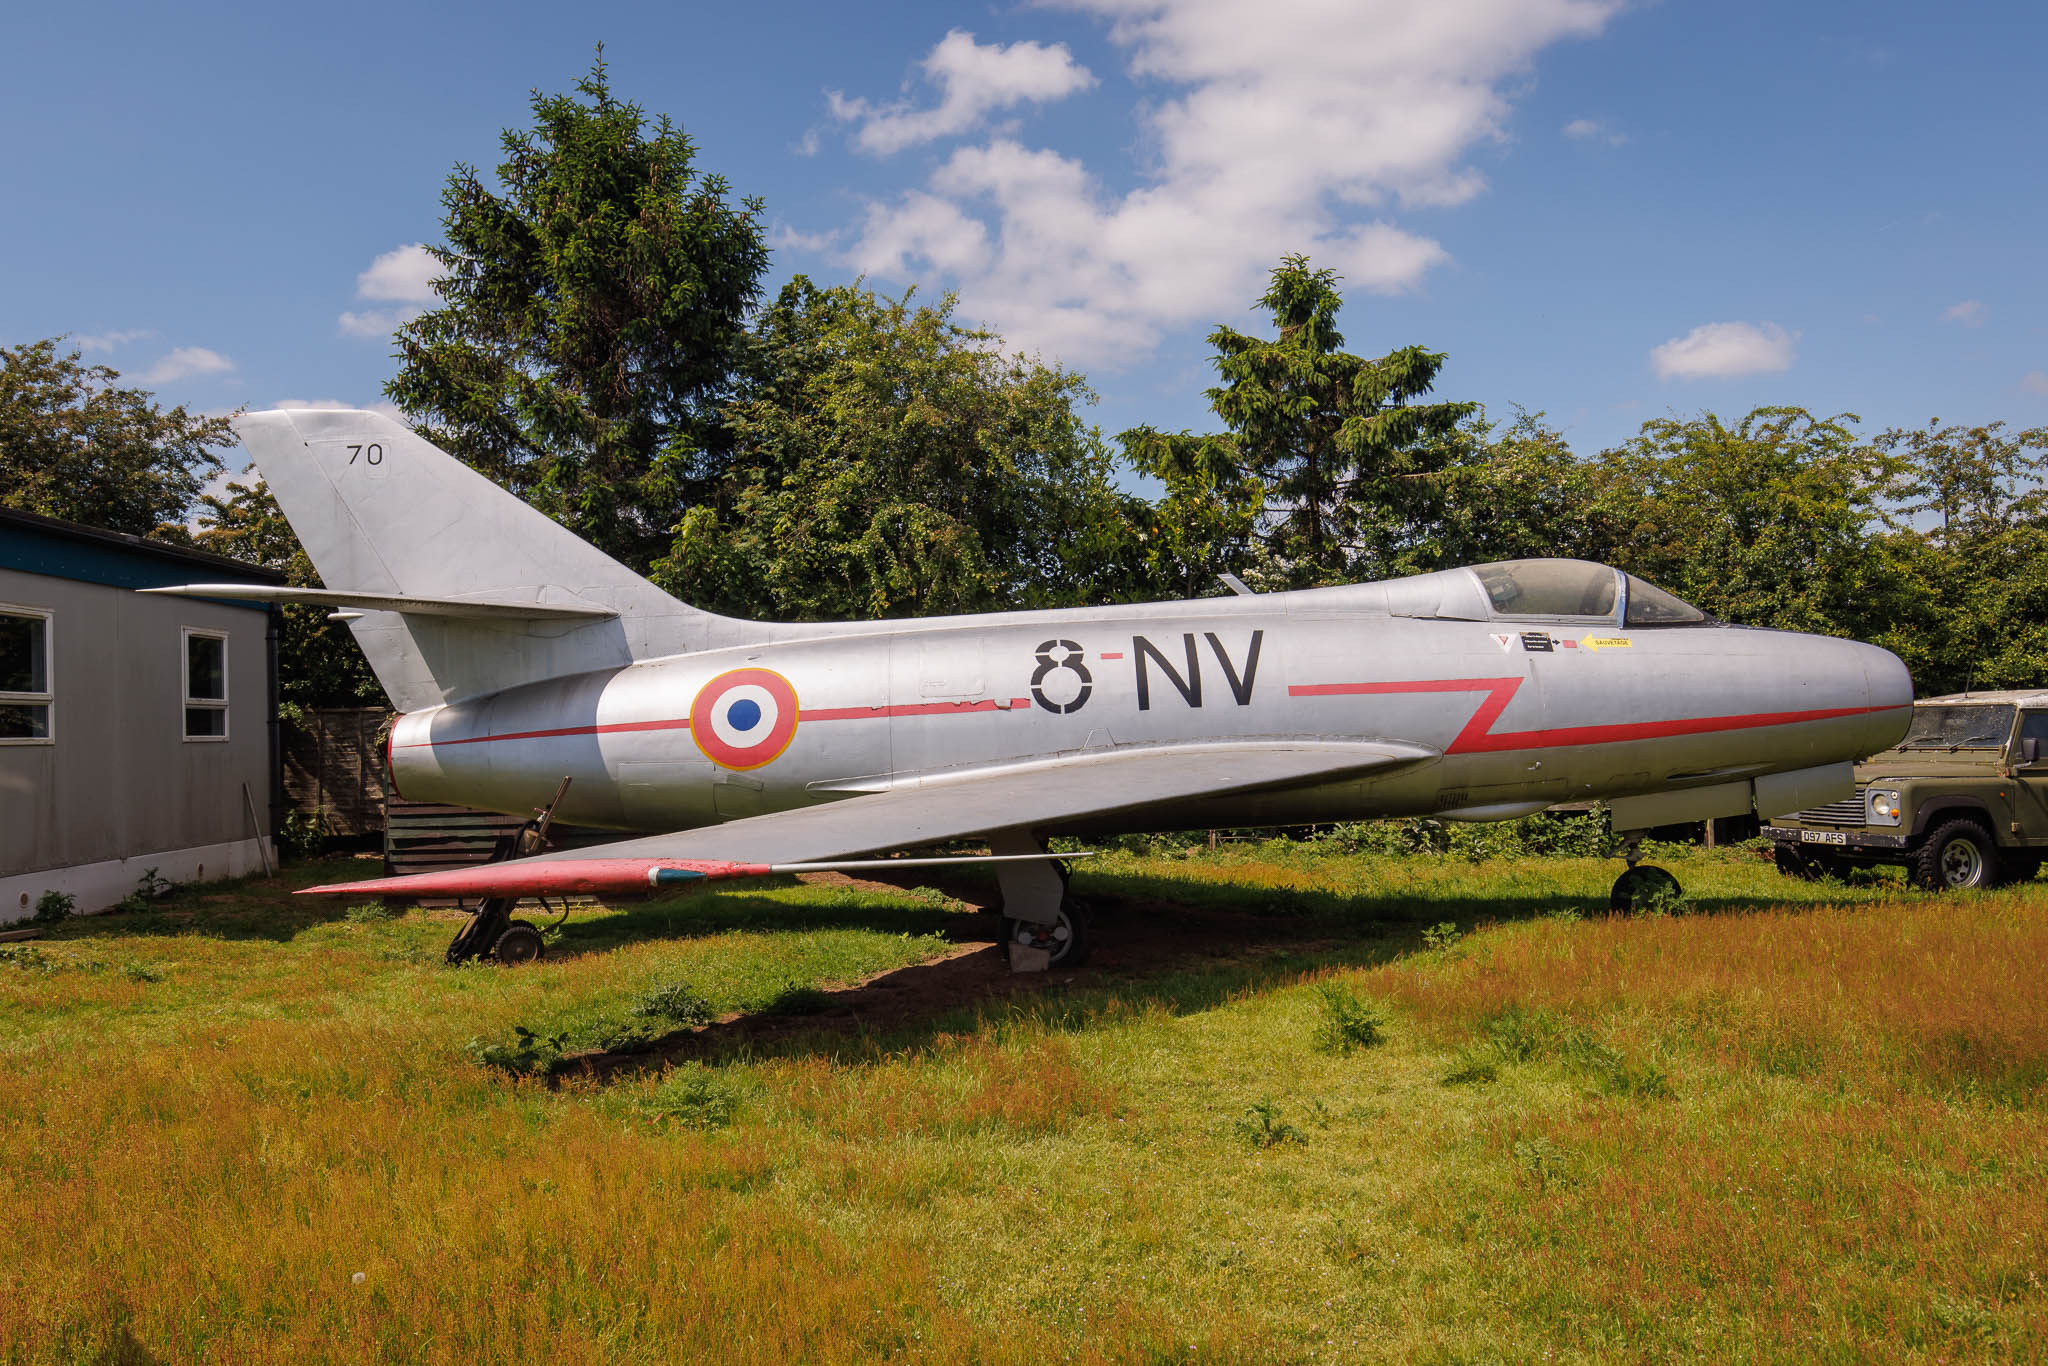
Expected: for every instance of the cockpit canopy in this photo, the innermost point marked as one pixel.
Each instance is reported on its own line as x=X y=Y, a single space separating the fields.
x=1543 y=590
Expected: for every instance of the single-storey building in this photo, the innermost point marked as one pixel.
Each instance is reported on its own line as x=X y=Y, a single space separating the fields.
x=137 y=731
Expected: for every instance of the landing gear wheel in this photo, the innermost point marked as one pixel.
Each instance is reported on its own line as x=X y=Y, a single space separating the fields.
x=1066 y=938
x=487 y=924
x=1957 y=855
x=518 y=945
x=1645 y=887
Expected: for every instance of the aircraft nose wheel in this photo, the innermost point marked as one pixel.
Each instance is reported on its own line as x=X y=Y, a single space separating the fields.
x=1644 y=887
x=1066 y=938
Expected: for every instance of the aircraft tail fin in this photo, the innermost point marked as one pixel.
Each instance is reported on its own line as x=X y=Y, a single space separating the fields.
x=383 y=512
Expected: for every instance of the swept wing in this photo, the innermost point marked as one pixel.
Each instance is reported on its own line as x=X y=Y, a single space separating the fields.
x=1046 y=793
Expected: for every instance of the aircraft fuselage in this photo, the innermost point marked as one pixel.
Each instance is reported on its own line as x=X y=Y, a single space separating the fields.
x=1520 y=712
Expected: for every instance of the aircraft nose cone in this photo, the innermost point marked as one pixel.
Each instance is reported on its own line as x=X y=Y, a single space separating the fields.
x=1889 y=689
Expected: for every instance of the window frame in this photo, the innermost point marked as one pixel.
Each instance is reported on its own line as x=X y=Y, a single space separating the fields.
x=47 y=698
x=189 y=703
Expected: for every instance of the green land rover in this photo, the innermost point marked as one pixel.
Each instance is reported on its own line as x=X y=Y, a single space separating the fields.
x=1961 y=802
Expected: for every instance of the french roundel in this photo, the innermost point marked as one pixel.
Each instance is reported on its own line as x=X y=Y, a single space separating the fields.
x=745 y=718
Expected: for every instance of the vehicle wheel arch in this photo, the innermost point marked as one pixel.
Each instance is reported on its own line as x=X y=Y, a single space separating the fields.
x=1941 y=810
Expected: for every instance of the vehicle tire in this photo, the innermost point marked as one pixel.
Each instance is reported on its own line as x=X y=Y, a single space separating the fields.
x=1066 y=938
x=1957 y=855
x=1645 y=887
x=518 y=945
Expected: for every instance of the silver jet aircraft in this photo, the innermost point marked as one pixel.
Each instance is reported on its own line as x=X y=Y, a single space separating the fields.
x=521 y=656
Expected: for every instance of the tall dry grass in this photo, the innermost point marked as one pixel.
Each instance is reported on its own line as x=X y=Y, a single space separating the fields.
x=219 y=1206
x=1941 y=994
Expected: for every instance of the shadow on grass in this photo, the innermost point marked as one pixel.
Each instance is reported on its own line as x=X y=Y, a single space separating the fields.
x=253 y=907
x=700 y=915
x=1150 y=954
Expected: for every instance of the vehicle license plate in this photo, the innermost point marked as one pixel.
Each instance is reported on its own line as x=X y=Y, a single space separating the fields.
x=1822 y=837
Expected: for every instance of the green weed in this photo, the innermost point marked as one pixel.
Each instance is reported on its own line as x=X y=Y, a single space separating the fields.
x=1346 y=1021
x=53 y=906
x=1262 y=1126
x=692 y=1096
x=676 y=1003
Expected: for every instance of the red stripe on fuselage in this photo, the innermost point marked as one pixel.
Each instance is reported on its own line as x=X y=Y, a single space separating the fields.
x=1478 y=736
x=683 y=722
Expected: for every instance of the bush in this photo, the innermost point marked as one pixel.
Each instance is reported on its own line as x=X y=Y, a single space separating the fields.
x=53 y=906
x=1348 y=1021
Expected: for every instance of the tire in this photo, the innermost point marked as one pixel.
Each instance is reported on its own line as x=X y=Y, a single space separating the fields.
x=518 y=945
x=1645 y=887
x=1066 y=938
x=1960 y=854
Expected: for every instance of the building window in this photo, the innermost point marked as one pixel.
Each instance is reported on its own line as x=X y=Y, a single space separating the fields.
x=206 y=685
x=25 y=696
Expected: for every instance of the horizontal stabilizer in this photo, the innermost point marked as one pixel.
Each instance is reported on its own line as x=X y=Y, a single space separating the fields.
x=468 y=608
x=597 y=876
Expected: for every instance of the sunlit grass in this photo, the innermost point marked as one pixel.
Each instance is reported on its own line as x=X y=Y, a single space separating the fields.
x=1805 y=1122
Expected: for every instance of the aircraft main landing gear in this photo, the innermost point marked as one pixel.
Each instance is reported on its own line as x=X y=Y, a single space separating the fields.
x=1043 y=926
x=491 y=931
x=1642 y=886
x=1064 y=940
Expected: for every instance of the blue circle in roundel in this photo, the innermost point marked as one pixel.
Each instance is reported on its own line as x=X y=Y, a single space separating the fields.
x=744 y=714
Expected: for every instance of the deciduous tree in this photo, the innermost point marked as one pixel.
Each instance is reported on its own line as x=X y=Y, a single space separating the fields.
x=888 y=461
x=76 y=443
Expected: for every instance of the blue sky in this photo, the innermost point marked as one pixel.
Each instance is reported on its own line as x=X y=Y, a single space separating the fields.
x=1606 y=211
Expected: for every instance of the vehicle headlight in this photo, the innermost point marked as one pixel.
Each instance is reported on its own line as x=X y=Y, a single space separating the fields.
x=1882 y=805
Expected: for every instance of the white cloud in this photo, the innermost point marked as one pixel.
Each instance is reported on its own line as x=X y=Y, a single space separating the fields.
x=783 y=237
x=404 y=276
x=1725 y=351
x=977 y=79
x=1592 y=130
x=185 y=362
x=1970 y=313
x=1302 y=130
x=376 y=322
x=107 y=341
x=2035 y=382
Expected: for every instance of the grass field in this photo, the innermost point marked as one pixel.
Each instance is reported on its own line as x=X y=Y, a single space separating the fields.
x=1308 y=1107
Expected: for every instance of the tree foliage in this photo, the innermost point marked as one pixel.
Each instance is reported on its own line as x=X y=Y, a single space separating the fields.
x=1769 y=521
x=888 y=461
x=1340 y=447
x=593 y=319
x=77 y=444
